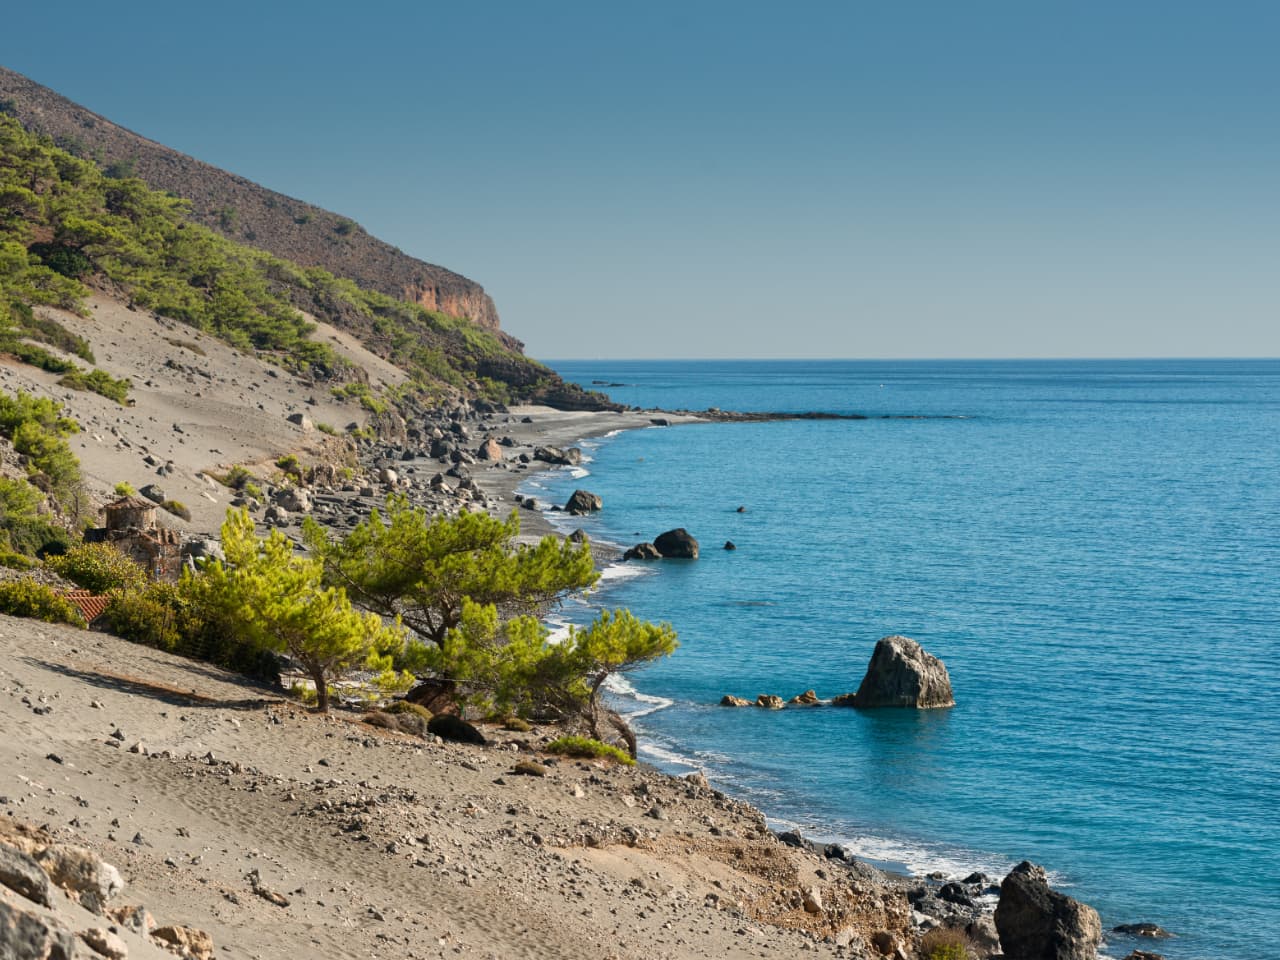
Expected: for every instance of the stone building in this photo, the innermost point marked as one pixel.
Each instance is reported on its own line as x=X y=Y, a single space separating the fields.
x=131 y=528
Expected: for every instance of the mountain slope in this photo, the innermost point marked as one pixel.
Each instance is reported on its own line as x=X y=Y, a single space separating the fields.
x=246 y=212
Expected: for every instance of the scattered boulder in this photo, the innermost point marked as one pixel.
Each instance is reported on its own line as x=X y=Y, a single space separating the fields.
x=902 y=674
x=578 y=536
x=583 y=502
x=769 y=701
x=677 y=543
x=527 y=768
x=294 y=499
x=447 y=726
x=555 y=455
x=301 y=420
x=104 y=943
x=491 y=450
x=806 y=699
x=204 y=550
x=642 y=551
x=1038 y=923
x=730 y=545
x=729 y=700
x=153 y=493
x=388 y=476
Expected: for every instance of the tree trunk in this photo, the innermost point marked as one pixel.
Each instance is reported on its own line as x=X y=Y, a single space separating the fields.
x=322 y=690
x=624 y=728
x=593 y=706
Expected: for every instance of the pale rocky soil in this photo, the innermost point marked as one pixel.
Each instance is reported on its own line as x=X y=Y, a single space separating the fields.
x=200 y=787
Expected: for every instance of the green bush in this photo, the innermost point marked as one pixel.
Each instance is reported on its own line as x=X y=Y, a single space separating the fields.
x=177 y=508
x=26 y=598
x=586 y=747
x=945 y=943
x=404 y=706
x=98 y=568
x=235 y=478
x=290 y=465
x=125 y=489
x=153 y=615
x=22 y=528
x=99 y=382
x=15 y=561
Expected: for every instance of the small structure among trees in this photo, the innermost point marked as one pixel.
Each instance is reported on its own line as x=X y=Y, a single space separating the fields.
x=132 y=529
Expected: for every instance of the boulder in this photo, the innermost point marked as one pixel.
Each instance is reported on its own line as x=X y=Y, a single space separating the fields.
x=902 y=674
x=185 y=941
x=578 y=536
x=204 y=550
x=564 y=458
x=677 y=543
x=1143 y=955
x=489 y=450
x=450 y=727
x=301 y=420
x=388 y=476
x=294 y=499
x=642 y=551
x=153 y=493
x=806 y=699
x=26 y=935
x=730 y=545
x=583 y=502
x=769 y=701
x=81 y=872
x=729 y=700
x=21 y=874
x=1038 y=923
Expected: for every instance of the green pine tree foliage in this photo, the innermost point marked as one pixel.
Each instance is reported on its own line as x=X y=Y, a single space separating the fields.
x=616 y=643
x=423 y=569
x=266 y=593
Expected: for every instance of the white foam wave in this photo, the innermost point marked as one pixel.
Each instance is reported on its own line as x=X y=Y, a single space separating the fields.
x=635 y=704
x=579 y=472
x=624 y=571
x=668 y=760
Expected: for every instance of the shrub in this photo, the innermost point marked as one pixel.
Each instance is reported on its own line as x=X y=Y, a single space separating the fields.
x=100 y=382
x=235 y=478
x=290 y=465
x=405 y=707
x=516 y=724
x=177 y=508
x=22 y=528
x=327 y=428
x=125 y=489
x=98 y=568
x=15 y=561
x=945 y=943
x=586 y=747
x=26 y=598
x=152 y=615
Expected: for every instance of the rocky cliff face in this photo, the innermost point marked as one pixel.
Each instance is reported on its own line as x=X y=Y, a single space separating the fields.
x=246 y=212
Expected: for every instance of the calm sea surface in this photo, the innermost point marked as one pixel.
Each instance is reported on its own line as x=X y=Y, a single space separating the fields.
x=1092 y=549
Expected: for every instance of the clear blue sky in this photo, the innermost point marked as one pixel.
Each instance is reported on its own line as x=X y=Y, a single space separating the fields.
x=695 y=179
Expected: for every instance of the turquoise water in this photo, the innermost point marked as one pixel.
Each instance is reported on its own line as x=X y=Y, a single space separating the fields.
x=1092 y=549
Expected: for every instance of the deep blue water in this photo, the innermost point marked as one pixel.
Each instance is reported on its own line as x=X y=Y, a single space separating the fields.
x=1092 y=549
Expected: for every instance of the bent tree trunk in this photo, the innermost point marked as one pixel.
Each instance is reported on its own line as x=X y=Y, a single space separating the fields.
x=322 y=689
x=615 y=720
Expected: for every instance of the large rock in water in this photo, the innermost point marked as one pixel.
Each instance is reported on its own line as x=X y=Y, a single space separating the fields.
x=583 y=502
x=1037 y=923
x=902 y=674
x=677 y=543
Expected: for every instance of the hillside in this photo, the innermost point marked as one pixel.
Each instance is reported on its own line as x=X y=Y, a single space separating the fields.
x=246 y=212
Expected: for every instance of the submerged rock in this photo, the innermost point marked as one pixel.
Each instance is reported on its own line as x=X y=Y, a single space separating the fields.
x=769 y=701
x=1038 y=923
x=729 y=700
x=902 y=674
x=1142 y=930
x=642 y=551
x=806 y=699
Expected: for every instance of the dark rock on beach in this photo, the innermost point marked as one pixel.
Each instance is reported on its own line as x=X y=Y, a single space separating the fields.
x=677 y=543
x=902 y=674
x=450 y=727
x=1036 y=922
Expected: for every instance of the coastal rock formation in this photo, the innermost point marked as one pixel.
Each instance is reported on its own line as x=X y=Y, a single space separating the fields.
x=570 y=457
x=729 y=700
x=1038 y=923
x=806 y=699
x=677 y=543
x=770 y=701
x=1151 y=930
x=642 y=551
x=902 y=674
x=583 y=502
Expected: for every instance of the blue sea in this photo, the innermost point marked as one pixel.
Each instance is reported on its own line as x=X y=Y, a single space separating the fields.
x=1093 y=548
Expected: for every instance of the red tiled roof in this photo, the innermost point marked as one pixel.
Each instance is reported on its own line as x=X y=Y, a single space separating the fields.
x=91 y=605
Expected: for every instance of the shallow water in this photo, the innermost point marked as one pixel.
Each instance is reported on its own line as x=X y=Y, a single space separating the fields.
x=1090 y=547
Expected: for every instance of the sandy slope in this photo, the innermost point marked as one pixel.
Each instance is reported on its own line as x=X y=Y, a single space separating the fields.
x=385 y=845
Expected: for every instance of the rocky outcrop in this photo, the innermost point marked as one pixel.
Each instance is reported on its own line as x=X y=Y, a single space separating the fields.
x=677 y=543
x=1038 y=923
x=770 y=701
x=806 y=699
x=1149 y=930
x=902 y=674
x=583 y=502
x=729 y=700
x=642 y=551
x=490 y=450
x=561 y=458
x=447 y=726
